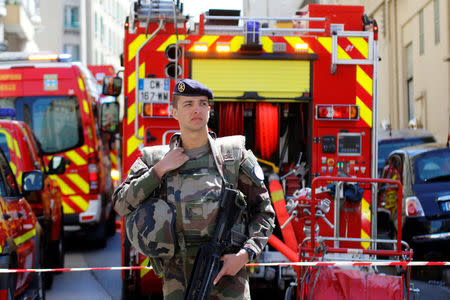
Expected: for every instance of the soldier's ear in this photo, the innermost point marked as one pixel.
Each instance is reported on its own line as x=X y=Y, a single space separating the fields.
x=173 y=112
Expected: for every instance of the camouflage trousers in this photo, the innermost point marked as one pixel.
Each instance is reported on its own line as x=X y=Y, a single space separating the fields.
x=176 y=278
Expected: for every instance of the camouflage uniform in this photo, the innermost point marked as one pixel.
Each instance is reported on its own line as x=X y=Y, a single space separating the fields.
x=194 y=190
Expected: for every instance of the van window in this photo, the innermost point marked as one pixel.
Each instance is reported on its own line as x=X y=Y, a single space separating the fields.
x=8 y=186
x=55 y=120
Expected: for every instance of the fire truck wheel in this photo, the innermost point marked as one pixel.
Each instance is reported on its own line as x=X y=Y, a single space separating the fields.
x=56 y=248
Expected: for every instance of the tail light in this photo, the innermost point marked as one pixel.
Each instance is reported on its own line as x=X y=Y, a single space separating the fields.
x=93 y=172
x=155 y=110
x=413 y=207
x=337 y=112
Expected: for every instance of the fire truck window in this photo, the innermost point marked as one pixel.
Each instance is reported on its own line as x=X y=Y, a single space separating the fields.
x=55 y=120
x=393 y=168
x=8 y=184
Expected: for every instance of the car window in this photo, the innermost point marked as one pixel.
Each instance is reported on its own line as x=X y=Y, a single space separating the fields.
x=7 y=180
x=432 y=166
x=386 y=147
x=4 y=144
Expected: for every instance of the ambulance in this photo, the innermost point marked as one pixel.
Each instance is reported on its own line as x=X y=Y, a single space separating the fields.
x=58 y=100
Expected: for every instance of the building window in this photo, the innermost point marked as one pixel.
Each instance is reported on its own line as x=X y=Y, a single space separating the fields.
x=95 y=24
x=437 y=33
x=73 y=50
x=421 y=33
x=409 y=81
x=71 y=17
x=102 y=29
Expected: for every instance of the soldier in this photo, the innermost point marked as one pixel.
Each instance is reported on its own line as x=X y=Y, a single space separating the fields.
x=187 y=178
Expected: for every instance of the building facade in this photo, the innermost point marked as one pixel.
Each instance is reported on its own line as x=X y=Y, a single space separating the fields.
x=19 y=21
x=90 y=30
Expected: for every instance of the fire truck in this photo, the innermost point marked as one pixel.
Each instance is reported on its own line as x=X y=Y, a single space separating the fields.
x=58 y=100
x=305 y=99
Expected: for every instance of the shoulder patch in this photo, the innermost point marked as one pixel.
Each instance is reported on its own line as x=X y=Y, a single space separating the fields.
x=252 y=169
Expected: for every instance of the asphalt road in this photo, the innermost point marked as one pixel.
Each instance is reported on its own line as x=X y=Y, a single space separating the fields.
x=99 y=285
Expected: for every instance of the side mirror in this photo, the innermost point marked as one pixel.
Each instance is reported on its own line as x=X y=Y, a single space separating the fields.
x=112 y=86
x=57 y=165
x=32 y=181
x=109 y=116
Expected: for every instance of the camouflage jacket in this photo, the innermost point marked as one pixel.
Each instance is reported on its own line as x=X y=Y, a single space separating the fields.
x=143 y=183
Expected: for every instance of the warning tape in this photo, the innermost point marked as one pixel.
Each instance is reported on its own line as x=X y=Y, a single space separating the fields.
x=298 y=264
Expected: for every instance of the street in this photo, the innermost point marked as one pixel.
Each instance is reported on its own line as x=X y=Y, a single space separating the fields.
x=107 y=284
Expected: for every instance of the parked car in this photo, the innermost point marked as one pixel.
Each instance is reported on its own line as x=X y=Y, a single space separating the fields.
x=390 y=140
x=424 y=172
x=21 y=235
x=23 y=152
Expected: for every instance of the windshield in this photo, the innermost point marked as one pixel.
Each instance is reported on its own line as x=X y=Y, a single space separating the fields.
x=55 y=120
x=4 y=145
x=432 y=166
x=386 y=147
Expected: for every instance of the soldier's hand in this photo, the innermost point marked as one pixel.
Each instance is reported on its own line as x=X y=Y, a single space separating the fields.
x=173 y=160
x=232 y=264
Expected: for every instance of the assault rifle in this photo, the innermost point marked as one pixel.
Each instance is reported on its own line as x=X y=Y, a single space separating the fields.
x=207 y=261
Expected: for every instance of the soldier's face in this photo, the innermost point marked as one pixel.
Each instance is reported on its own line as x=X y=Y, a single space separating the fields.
x=192 y=113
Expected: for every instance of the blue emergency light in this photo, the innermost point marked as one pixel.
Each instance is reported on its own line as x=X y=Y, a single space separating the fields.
x=7 y=112
x=252 y=32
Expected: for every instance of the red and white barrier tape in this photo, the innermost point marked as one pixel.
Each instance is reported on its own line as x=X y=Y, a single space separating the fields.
x=298 y=264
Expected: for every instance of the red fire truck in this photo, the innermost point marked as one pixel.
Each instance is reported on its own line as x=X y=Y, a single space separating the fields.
x=305 y=94
x=58 y=99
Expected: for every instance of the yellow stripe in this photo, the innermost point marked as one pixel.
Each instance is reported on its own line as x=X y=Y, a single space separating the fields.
x=67 y=209
x=85 y=149
x=65 y=189
x=364 y=235
x=364 y=111
x=81 y=84
x=133 y=142
x=13 y=167
x=132 y=77
x=144 y=264
x=360 y=44
x=8 y=139
x=113 y=158
x=17 y=149
x=85 y=106
x=326 y=43
x=80 y=202
x=19 y=178
x=365 y=209
x=364 y=80
x=341 y=54
x=210 y=39
x=170 y=40
x=79 y=182
x=293 y=40
x=134 y=46
x=131 y=113
x=76 y=158
x=1 y=249
x=277 y=196
x=25 y=237
x=267 y=44
x=236 y=43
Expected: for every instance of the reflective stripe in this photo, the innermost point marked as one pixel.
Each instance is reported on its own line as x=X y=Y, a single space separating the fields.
x=236 y=43
x=85 y=106
x=364 y=80
x=133 y=142
x=65 y=189
x=361 y=44
x=80 y=202
x=76 y=158
x=210 y=39
x=144 y=263
x=134 y=46
x=293 y=40
x=81 y=84
x=25 y=237
x=364 y=112
x=132 y=77
x=79 y=182
x=17 y=149
x=170 y=40
x=326 y=42
x=267 y=44
x=277 y=196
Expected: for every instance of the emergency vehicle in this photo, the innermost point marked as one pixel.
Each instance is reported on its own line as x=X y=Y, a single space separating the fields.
x=21 y=239
x=58 y=99
x=23 y=153
x=100 y=72
x=304 y=97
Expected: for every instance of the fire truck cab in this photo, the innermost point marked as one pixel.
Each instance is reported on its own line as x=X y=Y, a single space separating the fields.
x=304 y=97
x=58 y=99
